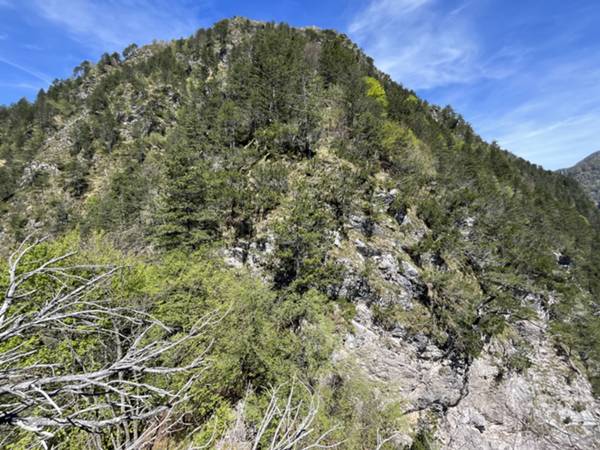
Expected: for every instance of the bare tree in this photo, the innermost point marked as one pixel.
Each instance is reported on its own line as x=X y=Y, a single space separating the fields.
x=381 y=441
x=121 y=391
x=287 y=424
x=293 y=422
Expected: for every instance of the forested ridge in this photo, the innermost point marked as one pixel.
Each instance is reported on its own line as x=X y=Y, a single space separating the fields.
x=233 y=194
x=587 y=173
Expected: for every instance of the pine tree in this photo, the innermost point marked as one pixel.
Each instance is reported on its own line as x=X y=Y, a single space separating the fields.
x=186 y=219
x=275 y=76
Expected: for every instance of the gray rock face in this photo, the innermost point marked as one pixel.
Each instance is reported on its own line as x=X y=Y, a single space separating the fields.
x=34 y=169
x=535 y=410
x=413 y=370
x=470 y=405
x=476 y=405
x=548 y=406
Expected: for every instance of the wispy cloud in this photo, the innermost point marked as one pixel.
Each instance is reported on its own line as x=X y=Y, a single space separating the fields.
x=114 y=24
x=34 y=73
x=420 y=44
x=28 y=86
x=32 y=47
x=557 y=144
x=557 y=122
x=527 y=83
x=3 y=36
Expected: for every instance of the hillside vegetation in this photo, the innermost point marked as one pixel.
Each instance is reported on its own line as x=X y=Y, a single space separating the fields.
x=587 y=173
x=259 y=174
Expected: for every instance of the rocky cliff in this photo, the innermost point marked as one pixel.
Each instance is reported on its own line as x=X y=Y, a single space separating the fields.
x=522 y=391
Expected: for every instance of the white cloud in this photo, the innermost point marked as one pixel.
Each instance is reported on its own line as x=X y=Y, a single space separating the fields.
x=29 y=86
x=536 y=95
x=558 y=144
x=379 y=12
x=34 y=73
x=32 y=47
x=556 y=121
x=420 y=45
x=112 y=25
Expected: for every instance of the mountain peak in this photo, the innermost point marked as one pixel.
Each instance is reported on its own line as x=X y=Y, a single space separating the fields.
x=587 y=173
x=360 y=258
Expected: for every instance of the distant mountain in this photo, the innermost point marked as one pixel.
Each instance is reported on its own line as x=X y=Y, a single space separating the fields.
x=587 y=172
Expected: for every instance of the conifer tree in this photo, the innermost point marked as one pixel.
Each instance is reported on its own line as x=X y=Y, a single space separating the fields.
x=185 y=218
x=275 y=74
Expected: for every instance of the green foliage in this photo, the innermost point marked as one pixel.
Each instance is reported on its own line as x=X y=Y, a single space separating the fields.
x=129 y=51
x=377 y=92
x=120 y=205
x=76 y=177
x=267 y=136
x=301 y=243
x=261 y=340
x=186 y=218
x=424 y=440
x=356 y=402
x=276 y=73
x=338 y=60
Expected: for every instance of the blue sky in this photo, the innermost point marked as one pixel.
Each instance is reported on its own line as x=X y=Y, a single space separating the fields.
x=525 y=73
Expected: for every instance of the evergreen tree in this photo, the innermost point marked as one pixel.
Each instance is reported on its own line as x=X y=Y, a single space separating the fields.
x=275 y=78
x=186 y=218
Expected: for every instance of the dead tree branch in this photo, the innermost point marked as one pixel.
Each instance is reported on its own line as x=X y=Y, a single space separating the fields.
x=119 y=386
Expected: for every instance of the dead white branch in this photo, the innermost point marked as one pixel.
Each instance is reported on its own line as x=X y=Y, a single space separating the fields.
x=291 y=423
x=121 y=387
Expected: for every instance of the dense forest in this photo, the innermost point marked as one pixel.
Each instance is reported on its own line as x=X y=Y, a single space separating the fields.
x=180 y=223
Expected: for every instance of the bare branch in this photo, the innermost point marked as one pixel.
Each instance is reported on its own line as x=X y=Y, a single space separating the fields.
x=293 y=423
x=121 y=388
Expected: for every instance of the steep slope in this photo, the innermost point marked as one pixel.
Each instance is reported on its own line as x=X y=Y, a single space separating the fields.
x=587 y=173
x=431 y=286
